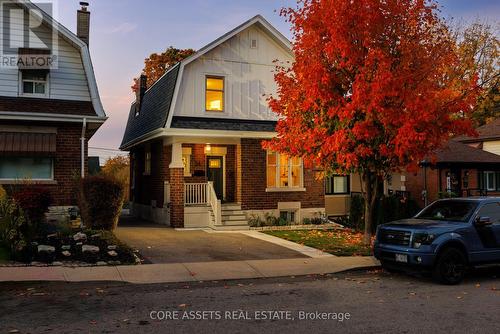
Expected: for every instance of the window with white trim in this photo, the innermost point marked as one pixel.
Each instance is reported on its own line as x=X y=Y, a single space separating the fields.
x=186 y=161
x=288 y=215
x=283 y=171
x=30 y=168
x=490 y=181
x=34 y=82
x=214 y=93
x=337 y=185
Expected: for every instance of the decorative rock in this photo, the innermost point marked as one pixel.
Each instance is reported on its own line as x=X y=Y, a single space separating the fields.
x=112 y=247
x=90 y=249
x=66 y=253
x=79 y=243
x=46 y=249
x=80 y=236
x=97 y=235
x=66 y=247
x=101 y=263
x=114 y=263
x=53 y=235
x=112 y=253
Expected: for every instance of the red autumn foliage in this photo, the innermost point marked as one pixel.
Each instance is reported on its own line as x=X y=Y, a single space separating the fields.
x=373 y=87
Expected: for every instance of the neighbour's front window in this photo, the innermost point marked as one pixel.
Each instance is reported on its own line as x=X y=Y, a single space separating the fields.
x=34 y=82
x=490 y=181
x=283 y=171
x=214 y=94
x=20 y=168
x=337 y=185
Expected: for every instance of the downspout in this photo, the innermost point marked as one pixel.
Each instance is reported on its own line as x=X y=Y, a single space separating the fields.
x=82 y=142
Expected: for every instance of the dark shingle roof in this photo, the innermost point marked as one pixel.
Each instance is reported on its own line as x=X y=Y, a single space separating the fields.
x=456 y=152
x=154 y=110
x=486 y=132
x=206 y=123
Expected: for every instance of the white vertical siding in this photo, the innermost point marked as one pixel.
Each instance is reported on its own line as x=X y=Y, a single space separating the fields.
x=248 y=73
x=67 y=82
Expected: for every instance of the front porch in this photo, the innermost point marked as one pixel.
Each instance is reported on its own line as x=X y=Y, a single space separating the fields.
x=209 y=184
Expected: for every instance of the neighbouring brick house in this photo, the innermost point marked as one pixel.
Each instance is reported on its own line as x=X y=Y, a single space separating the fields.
x=462 y=168
x=195 y=139
x=47 y=115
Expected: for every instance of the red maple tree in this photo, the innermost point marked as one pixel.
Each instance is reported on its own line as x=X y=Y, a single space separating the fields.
x=372 y=90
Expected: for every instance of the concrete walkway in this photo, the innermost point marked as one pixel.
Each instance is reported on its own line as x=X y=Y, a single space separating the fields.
x=189 y=272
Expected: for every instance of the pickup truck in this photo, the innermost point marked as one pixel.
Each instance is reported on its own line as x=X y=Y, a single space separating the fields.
x=447 y=237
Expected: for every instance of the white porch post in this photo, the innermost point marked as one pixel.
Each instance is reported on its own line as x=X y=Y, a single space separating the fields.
x=176 y=156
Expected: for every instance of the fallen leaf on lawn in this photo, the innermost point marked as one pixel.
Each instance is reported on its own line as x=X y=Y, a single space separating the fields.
x=478 y=285
x=459 y=297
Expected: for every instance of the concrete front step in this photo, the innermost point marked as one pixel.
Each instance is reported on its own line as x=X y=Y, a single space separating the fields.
x=231 y=207
x=234 y=217
x=231 y=227
x=234 y=222
x=232 y=212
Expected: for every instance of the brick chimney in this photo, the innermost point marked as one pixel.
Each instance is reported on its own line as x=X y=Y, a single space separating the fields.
x=143 y=86
x=83 y=23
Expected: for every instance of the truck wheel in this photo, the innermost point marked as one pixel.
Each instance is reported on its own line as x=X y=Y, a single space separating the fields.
x=450 y=267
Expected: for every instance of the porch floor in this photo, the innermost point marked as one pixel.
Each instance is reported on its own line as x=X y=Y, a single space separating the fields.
x=160 y=244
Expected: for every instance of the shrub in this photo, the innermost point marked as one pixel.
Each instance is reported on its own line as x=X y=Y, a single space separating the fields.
x=34 y=201
x=3 y=194
x=356 y=212
x=13 y=228
x=255 y=221
x=100 y=201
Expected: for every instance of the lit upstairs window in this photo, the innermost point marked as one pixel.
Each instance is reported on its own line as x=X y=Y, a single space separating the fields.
x=214 y=99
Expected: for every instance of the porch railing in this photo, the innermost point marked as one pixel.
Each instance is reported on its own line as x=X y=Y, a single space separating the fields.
x=195 y=193
x=214 y=203
x=203 y=194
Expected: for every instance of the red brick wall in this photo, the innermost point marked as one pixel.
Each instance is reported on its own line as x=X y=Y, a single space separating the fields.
x=150 y=187
x=253 y=182
x=67 y=162
x=415 y=184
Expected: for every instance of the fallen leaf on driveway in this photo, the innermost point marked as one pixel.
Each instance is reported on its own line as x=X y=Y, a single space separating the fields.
x=14 y=331
x=478 y=285
x=183 y=305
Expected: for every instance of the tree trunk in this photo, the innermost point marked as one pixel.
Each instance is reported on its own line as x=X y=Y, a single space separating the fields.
x=370 y=194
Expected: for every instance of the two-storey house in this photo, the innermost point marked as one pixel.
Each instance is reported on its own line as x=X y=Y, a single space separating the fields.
x=49 y=102
x=195 y=139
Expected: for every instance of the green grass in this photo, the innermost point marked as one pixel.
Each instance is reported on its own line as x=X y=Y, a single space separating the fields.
x=336 y=242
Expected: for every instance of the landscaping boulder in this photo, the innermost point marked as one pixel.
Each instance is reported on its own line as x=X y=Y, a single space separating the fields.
x=80 y=236
x=90 y=249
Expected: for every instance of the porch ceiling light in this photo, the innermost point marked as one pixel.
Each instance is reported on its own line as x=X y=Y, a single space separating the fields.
x=208 y=148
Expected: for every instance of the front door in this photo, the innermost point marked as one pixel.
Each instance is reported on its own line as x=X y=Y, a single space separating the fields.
x=215 y=173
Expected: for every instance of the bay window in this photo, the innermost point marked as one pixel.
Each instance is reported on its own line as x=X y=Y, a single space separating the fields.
x=284 y=171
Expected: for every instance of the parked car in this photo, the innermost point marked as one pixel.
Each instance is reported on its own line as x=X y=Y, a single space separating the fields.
x=447 y=237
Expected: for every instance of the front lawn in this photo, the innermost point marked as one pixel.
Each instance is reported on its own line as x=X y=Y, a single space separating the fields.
x=336 y=242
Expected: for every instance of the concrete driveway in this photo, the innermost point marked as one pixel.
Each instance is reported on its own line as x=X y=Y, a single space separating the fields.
x=159 y=244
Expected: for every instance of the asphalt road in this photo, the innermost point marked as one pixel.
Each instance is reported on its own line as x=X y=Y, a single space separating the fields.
x=355 y=302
